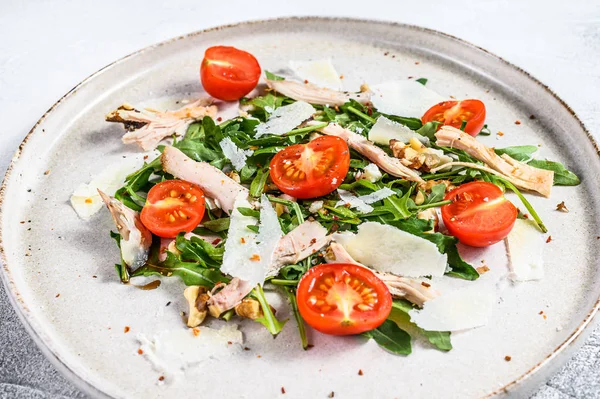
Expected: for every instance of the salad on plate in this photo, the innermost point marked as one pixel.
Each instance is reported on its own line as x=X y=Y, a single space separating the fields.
x=356 y=206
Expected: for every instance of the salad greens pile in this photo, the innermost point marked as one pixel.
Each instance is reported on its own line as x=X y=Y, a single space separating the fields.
x=198 y=261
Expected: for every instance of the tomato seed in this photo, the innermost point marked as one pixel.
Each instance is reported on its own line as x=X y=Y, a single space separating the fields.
x=188 y=195
x=323 y=287
x=171 y=218
x=363 y=307
x=193 y=199
x=183 y=215
x=174 y=194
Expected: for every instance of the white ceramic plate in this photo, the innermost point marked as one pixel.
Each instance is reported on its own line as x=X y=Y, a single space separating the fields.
x=47 y=250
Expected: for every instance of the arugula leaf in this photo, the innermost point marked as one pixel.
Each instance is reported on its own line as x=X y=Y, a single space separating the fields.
x=122 y=270
x=439 y=339
x=437 y=194
x=485 y=131
x=428 y=130
x=193 y=131
x=268 y=320
x=249 y=212
x=217 y=225
x=190 y=272
x=390 y=337
x=521 y=153
x=197 y=250
x=423 y=81
x=257 y=186
x=198 y=150
x=263 y=105
x=411 y=123
x=272 y=76
x=358 y=163
x=562 y=176
x=299 y=320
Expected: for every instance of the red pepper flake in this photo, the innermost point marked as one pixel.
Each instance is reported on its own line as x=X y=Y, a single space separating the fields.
x=145 y=157
x=526 y=216
x=229 y=343
x=94 y=276
x=255 y=258
x=507 y=358
x=483 y=269
x=517 y=122
x=196 y=332
x=246 y=348
x=57 y=295
x=341 y=76
x=417 y=62
x=258 y=356
x=313 y=241
x=532 y=116
x=22 y=222
x=386 y=53
x=548 y=239
x=309 y=346
x=305 y=81
x=219 y=119
x=335 y=217
x=360 y=372
x=424 y=284
x=243 y=240
x=140 y=351
x=500 y=134
x=126 y=329
x=283 y=390
x=410 y=77
x=161 y=378
x=545 y=317
x=216 y=241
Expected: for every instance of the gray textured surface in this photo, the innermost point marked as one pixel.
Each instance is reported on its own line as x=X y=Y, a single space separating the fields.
x=45 y=49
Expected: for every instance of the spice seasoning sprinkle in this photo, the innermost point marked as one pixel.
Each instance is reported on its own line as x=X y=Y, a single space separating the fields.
x=562 y=207
x=140 y=351
x=507 y=358
x=548 y=239
x=360 y=372
x=126 y=329
x=282 y=390
x=517 y=122
x=161 y=378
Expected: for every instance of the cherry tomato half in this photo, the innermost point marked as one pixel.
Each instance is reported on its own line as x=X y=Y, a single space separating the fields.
x=453 y=113
x=479 y=214
x=228 y=73
x=311 y=170
x=172 y=207
x=343 y=299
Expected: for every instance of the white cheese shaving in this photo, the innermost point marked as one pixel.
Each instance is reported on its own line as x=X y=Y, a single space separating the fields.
x=319 y=72
x=285 y=118
x=86 y=201
x=351 y=200
x=362 y=203
x=525 y=247
x=173 y=352
x=248 y=255
x=388 y=249
x=372 y=173
x=385 y=130
x=455 y=310
x=315 y=206
x=236 y=155
x=404 y=97
x=377 y=195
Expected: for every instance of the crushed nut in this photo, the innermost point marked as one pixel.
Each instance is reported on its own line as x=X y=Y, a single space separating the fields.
x=196 y=297
x=562 y=207
x=416 y=156
x=482 y=269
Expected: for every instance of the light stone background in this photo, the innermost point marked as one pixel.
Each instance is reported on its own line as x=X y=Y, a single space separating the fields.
x=46 y=48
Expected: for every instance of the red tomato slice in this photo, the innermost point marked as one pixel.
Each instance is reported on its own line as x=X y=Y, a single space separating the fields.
x=343 y=299
x=453 y=113
x=479 y=214
x=172 y=207
x=228 y=73
x=311 y=170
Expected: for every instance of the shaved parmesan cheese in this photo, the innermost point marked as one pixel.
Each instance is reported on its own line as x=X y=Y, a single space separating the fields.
x=351 y=200
x=85 y=199
x=285 y=118
x=372 y=173
x=525 y=246
x=315 y=206
x=269 y=234
x=388 y=249
x=455 y=310
x=248 y=255
x=236 y=155
x=376 y=195
x=385 y=130
x=362 y=203
x=320 y=73
x=404 y=98
x=173 y=352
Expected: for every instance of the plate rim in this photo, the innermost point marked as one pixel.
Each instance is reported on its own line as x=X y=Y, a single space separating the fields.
x=50 y=353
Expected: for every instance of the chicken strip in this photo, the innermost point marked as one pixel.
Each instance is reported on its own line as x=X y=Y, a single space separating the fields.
x=148 y=127
x=400 y=287
x=135 y=237
x=215 y=184
x=518 y=173
x=316 y=95
x=295 y=246
x=393 y=166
